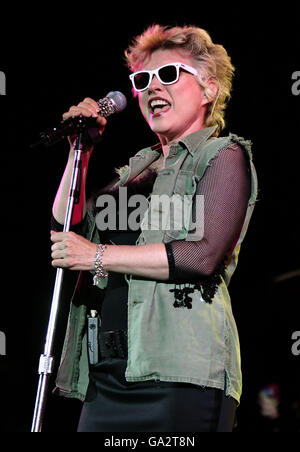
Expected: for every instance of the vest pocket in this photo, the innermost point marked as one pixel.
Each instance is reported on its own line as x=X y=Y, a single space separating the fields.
x=181 y=206
x=169 y=213
x=185 y=183
x=179 y=216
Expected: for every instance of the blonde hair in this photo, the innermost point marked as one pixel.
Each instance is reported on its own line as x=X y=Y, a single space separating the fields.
x=211 y=60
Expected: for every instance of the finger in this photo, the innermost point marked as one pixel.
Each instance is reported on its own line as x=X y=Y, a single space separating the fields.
x=58 y=246
x=58 y=254
x=83 y=109
x=94 y=107
x=85 y=106
x=101 y=121
x=63 y=263
x=58 y=236
x=73 y=111
x=92 y=103
x=59 y=263
x=80 y=109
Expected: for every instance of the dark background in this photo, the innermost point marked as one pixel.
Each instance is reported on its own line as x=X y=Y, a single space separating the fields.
x=52 y=62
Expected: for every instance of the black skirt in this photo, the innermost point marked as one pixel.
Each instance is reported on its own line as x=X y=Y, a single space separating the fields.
x=115 y=405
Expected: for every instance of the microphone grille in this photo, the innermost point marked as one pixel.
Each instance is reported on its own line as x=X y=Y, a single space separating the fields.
x=118 y=99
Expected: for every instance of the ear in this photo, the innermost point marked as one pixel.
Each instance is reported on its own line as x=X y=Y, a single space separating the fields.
x=210 y=92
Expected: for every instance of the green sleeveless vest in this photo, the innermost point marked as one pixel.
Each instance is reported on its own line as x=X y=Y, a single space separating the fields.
x=198 y=345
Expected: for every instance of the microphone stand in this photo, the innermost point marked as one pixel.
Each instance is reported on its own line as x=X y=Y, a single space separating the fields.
x=46 y=362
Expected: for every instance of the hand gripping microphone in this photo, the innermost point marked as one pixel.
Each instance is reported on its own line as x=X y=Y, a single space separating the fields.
x=113 y=102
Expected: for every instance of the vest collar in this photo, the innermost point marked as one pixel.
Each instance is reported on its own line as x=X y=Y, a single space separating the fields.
x=193 y=141
x=146 y=156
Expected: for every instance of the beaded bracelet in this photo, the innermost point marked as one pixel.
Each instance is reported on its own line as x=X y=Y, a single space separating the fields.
x=99 y=270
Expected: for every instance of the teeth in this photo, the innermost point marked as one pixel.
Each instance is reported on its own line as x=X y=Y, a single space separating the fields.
x=158 y=103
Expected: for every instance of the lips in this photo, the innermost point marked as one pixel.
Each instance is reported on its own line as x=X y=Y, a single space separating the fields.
x=158 y=105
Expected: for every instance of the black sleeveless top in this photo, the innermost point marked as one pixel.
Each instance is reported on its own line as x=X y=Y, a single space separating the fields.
x=113 y=309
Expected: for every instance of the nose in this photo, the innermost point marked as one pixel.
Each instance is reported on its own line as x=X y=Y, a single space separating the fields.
x=155 y=85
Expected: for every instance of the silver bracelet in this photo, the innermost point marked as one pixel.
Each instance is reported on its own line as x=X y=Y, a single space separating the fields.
x=99 y=270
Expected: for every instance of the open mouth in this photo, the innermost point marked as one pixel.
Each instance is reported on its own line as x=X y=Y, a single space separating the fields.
x=157 y=106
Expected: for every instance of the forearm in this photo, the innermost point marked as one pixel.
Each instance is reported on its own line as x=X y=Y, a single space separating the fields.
x=146 y=261
x=61 y=199
x=70 y=250
x=88 y=108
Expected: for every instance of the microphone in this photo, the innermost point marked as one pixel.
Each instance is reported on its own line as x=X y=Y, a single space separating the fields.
x=113 y=102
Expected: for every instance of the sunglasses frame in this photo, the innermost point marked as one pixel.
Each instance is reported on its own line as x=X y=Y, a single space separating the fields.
x=155 y=72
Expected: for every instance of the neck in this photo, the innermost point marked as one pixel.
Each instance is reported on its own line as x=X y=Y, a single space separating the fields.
x=165 y=144
x=166 y=149
x=167 y=141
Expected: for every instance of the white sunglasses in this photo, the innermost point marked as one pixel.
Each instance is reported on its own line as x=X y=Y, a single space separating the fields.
x=167 y=74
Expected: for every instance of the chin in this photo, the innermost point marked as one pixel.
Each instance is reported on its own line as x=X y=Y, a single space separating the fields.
x=160 y=127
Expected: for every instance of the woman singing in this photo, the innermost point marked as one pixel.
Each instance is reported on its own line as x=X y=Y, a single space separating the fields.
x=168 y=347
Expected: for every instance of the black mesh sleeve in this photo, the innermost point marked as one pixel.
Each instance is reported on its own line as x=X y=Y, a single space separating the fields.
x=226 y=188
